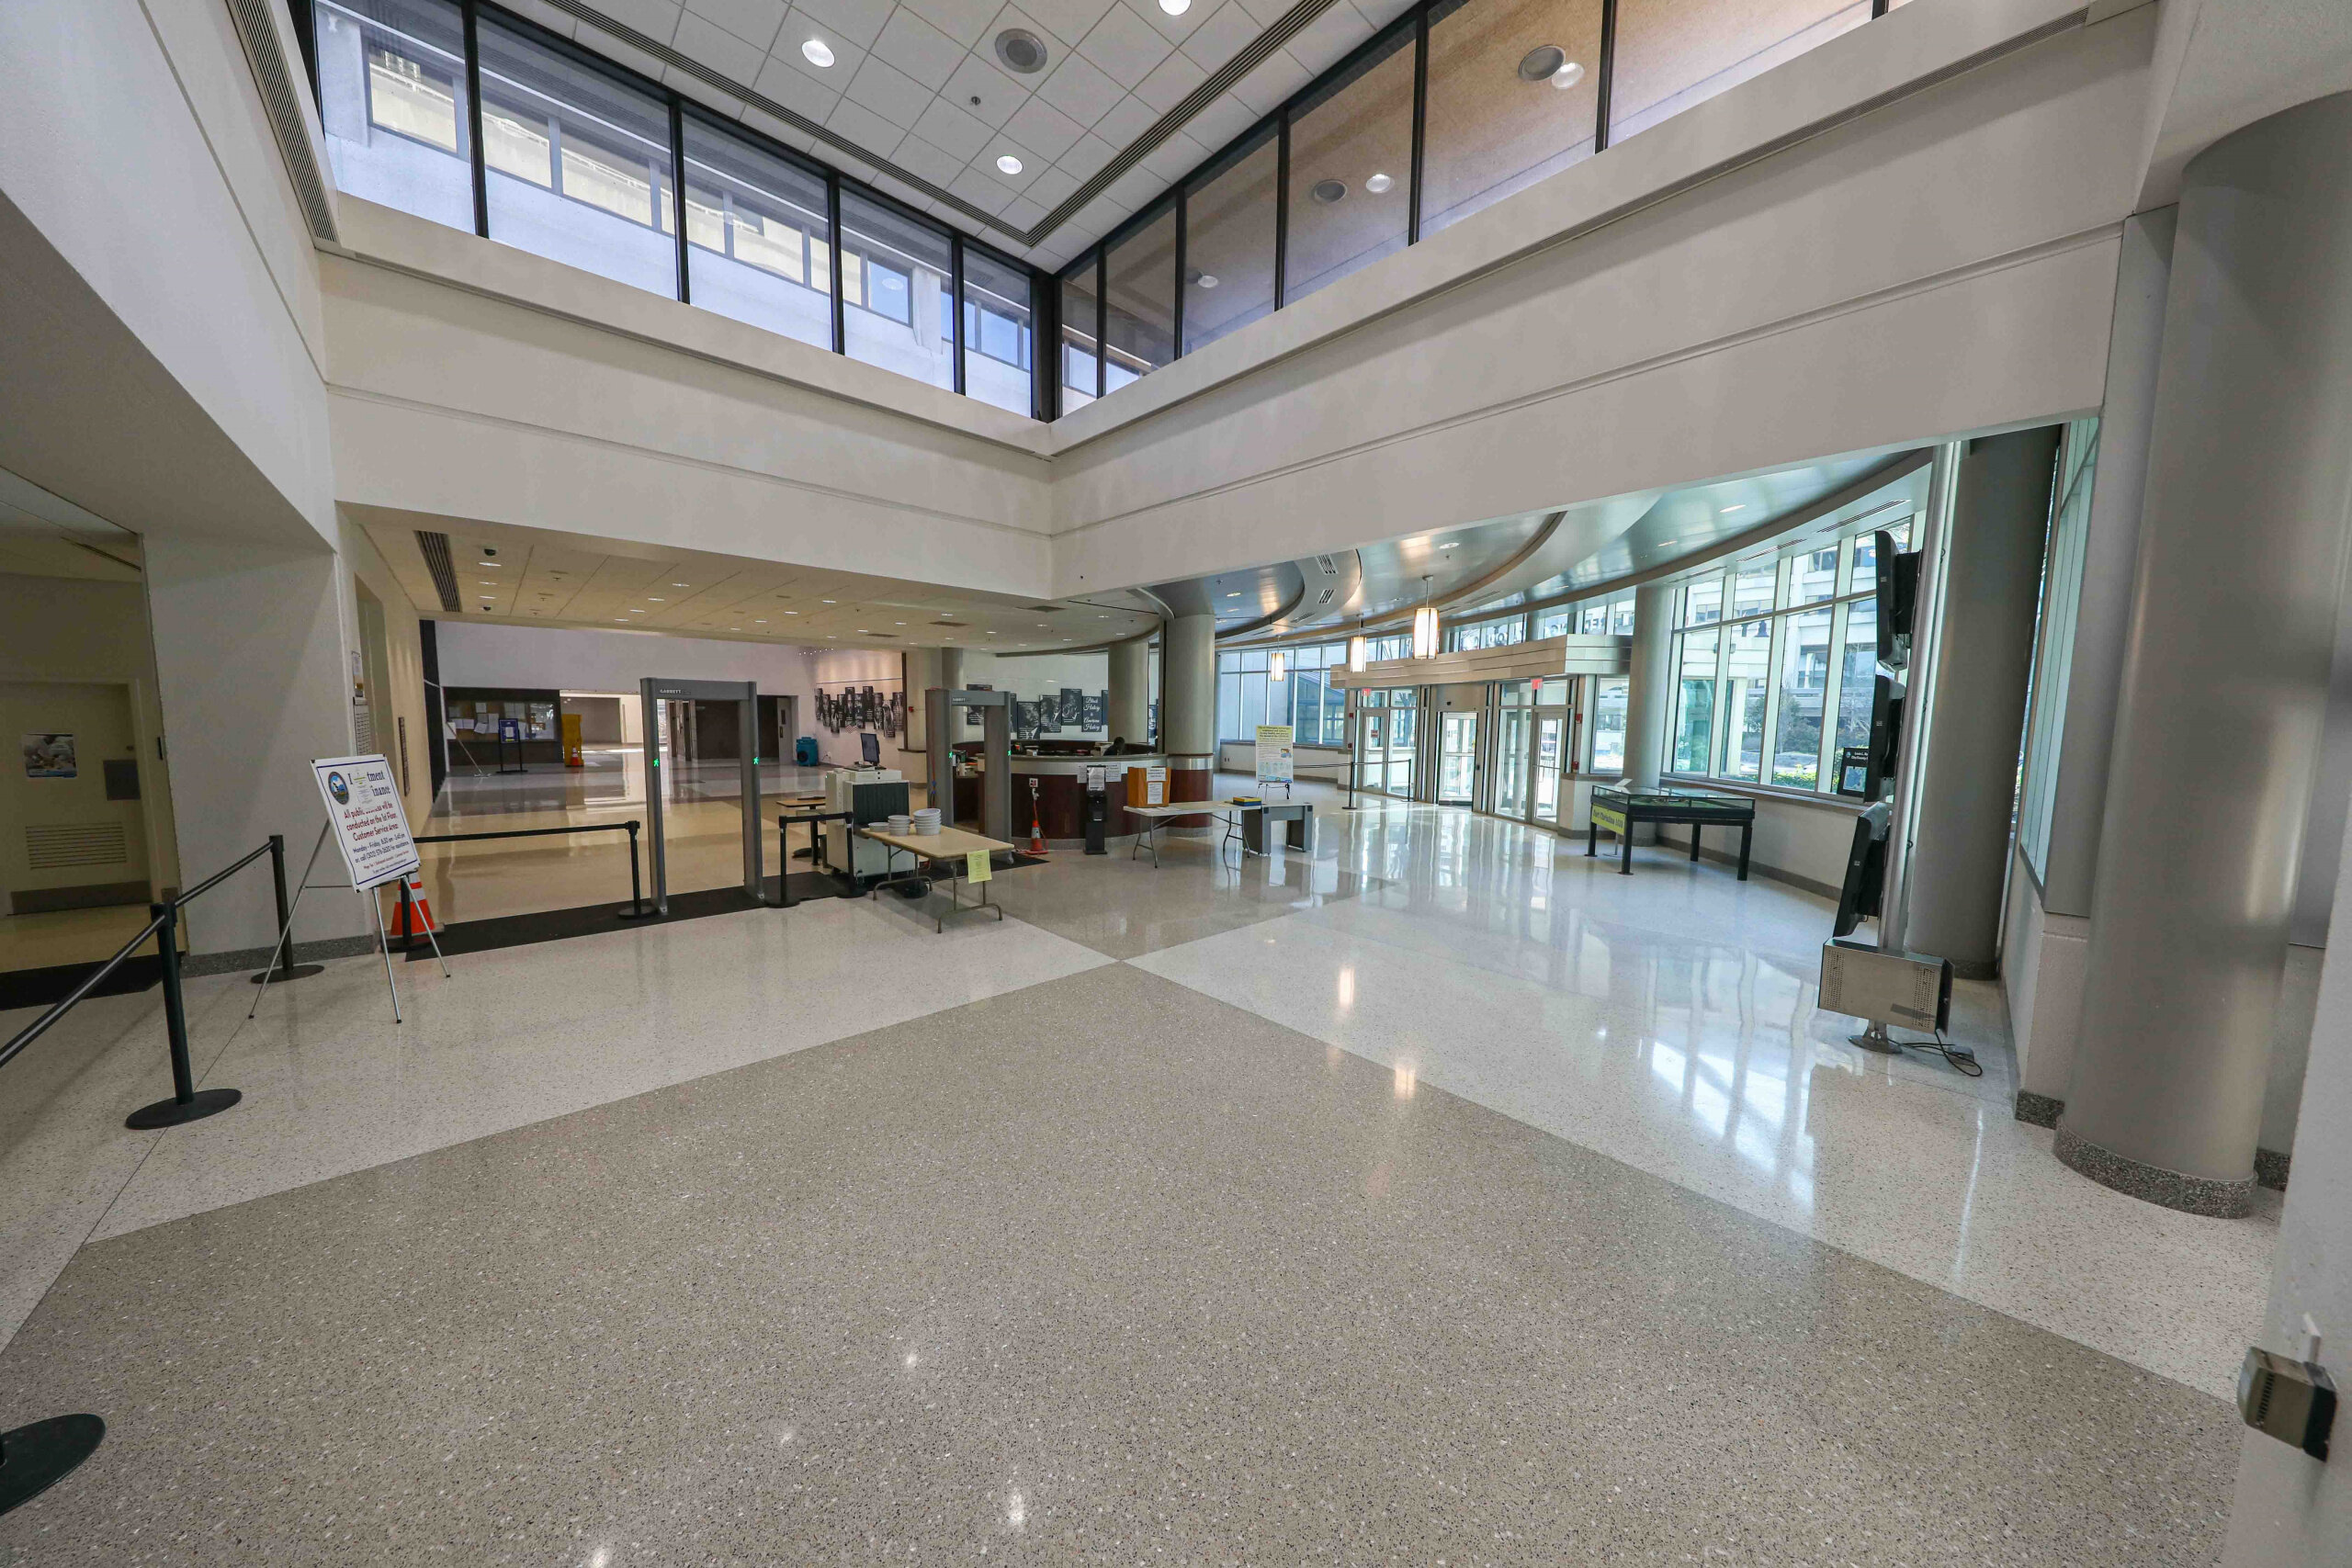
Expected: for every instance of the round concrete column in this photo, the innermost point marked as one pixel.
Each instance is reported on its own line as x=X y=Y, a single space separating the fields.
x=1647 y=703
x=2233 y=622
x=951 y=669
x=1188 y=700
x=1131 y=689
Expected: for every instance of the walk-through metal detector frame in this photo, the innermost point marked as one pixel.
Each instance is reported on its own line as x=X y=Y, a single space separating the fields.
x=652 y=692
x=996 y=776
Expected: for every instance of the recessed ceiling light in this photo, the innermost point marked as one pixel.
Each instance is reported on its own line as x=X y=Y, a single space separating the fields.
x=1538 y=63
x=1007 y=164
x=758 y=623
x=1233 y=595
x=898 y=622
x=1022 y=51
x=1380 y=184
x=824 y=601
x=677 y=585
x=1451 y=545
x=1175 y=8
x=817 y=52
x=1329 y=192
x=792 y=612
x=1206 y=280
x=1741 y=507
x=1567 y=76
x=655 y=599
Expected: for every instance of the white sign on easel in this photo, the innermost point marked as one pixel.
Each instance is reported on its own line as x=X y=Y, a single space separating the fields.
x=1274 y=754
x=370 y=824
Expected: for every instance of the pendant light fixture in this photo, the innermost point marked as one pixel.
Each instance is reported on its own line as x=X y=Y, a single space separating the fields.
x=1425 y=626
x=1358 y=650
x=1278 y=667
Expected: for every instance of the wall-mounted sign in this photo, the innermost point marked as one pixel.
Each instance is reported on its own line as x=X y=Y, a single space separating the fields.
x=50 y=757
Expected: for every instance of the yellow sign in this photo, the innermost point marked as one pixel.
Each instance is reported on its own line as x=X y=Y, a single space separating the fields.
x=571 y=758
x=977 y=867
x=1609 y=821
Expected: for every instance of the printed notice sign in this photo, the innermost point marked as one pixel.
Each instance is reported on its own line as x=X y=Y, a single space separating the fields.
x=975 y=865
x=1273 y=753
x=364 y=804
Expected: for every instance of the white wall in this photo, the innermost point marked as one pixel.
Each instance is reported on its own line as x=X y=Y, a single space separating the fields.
x=661 y=424
x=250 y=648
x=161 y=279
x=1805 y=843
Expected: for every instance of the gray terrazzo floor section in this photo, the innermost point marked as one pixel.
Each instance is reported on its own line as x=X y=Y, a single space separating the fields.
x=1101 y=1271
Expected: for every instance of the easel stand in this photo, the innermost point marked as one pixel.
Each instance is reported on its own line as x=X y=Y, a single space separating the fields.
x=383 y=937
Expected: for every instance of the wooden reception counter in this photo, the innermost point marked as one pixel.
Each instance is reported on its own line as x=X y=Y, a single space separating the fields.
x=1061 y=792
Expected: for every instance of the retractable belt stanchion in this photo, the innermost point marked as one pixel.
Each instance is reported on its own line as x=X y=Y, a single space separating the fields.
x=187 y=1103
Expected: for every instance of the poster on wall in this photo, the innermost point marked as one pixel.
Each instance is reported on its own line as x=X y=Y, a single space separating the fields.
x=50 y=756
x=363 y=802
x=1092 y=717
x=1273 y=753
x=1073 y=706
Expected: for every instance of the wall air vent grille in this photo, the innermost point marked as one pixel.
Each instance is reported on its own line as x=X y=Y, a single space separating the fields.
x=281 y=99
x=56 y=846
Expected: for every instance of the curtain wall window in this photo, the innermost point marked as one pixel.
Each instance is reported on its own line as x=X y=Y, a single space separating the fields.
x=1671 y=54
x=1230 y=242
x=392 y=102
x=1081 y=357
x=760 y=247
x=895 y=272
x=1140 y=288
x=2054 y=659
x=1350 y=169
x=577 y=160
x=1514 y=95
x=998 y=346
x=1769 y=692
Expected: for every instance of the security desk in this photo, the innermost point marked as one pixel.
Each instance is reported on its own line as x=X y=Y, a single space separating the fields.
x=947 y=844
x=1617 y=807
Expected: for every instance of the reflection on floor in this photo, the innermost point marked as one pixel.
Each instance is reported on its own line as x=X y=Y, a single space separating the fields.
x=703 y=823
x=70 y=936
x=1436 y=1194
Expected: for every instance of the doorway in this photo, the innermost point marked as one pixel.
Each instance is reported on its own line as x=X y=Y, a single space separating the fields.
x=1457 y=759
x=77 y=836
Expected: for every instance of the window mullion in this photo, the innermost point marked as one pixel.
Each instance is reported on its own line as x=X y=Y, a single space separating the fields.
x=840 y=261
x=1775 y=651
x=1833 y=693
x=678 y=190
x=473 y=109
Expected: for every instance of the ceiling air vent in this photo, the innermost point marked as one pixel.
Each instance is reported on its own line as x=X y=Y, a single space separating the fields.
x=1330 y=568
x=958 y=625
x=435 y=549
x=1327 y=597
x=1047 y=609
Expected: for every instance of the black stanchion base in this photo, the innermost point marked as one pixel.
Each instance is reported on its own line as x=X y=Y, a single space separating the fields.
x=171 y=1114
x=279 y=976
x=627 y=912
x=33 y=1457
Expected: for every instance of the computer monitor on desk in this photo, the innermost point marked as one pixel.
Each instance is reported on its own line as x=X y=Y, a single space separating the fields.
x=869 y=749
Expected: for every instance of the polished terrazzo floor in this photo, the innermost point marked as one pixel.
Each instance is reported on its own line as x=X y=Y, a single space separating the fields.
x=1429 y=1198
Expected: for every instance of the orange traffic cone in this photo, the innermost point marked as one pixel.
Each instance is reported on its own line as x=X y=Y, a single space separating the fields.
x=1036 y=824
x=414 y=917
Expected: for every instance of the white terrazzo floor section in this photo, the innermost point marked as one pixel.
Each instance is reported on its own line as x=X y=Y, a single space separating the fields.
x=520 y=1034
x=1668 y=1020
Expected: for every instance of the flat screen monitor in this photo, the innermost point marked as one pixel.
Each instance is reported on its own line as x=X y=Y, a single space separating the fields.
x=1898 y=593
x=1858 y=895
x=869 y=749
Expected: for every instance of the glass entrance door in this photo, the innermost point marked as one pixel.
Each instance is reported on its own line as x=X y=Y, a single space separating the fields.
x=1551 y=748
x=1511 y=793
x=1457 y=759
